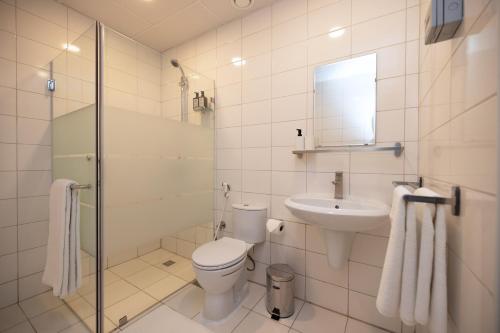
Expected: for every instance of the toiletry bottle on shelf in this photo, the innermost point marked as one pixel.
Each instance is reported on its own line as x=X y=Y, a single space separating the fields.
x=202 y=101
x=299 y=140
x=196 y=101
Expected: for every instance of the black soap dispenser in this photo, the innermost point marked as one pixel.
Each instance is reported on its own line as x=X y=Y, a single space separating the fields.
x=202 y=101
x=299 y=141
x=196 y=101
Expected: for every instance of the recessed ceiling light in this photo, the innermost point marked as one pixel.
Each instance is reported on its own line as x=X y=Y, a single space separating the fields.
x=237 y=61
x=71 y=48
x=242 y=4
x=336 y=32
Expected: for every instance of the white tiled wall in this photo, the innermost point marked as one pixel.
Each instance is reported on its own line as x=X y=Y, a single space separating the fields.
x=260 y=104
x=32 y=33
x=458 y=132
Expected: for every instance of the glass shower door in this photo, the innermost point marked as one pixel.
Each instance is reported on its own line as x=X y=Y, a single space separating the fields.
x=74 y=139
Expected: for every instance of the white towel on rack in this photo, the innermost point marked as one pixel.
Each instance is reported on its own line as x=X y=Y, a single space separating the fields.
x=439 y=304
x=410 y=260
x=63 y=266
x=389 y=292
x=425 y=214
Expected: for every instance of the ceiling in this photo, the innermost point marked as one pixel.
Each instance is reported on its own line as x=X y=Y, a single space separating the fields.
x=162 y=24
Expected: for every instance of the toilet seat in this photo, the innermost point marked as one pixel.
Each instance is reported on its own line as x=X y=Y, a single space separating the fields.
x=219 y=254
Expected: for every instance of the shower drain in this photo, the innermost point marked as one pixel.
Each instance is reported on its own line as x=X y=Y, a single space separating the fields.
x=169 y=263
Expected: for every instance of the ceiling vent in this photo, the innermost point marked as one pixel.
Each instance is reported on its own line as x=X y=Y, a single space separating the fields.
x=242 y=4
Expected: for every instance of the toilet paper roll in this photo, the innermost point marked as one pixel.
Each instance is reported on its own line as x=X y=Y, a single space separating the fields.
x=275 y=226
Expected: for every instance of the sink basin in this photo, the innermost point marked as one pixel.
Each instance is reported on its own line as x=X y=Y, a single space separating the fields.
x=340 y=218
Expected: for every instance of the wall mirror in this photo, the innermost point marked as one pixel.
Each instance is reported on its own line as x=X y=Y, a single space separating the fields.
x=345 y=102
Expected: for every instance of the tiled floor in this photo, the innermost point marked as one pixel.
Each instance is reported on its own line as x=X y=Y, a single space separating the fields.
x=129 y=289
x=251 y=316
x=139 y=285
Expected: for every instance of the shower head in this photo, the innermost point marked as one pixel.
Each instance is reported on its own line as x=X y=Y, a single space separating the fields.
x=176 y=64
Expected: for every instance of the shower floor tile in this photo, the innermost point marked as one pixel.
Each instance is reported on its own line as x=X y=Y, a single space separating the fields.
x=157 y=256
x=131 y=307
x=147 y=277
x=129 y=267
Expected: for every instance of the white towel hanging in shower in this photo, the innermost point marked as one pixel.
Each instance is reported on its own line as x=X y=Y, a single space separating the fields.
x=63 y=266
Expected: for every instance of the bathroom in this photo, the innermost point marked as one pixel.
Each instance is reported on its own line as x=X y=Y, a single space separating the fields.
x=169 y=129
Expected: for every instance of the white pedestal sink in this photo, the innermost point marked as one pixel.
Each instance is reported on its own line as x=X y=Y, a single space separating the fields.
x=339 y=219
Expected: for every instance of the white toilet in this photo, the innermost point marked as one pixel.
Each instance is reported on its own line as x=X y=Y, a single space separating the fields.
x=220 y=265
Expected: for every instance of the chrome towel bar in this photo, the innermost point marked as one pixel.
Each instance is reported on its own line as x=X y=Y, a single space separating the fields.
x=453 y=201
x=415 y=185
x=80 y=187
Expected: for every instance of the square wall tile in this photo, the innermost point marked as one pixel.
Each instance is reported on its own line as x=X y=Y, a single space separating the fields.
x=327 y=295
x=317 y=267
x=7 y=101
x=8 y=129
x=7 y=157
x=8 y=240
x=9 y=184
x=363 y=307
x=379 y=32
x=8 y=267
x=289 y=32
x=33 y=235
x=33 y=131
x=33 y=157
x=285 y=10
x=8 y=293
x=31 y=285
x=295 y=258
x=33 y=183
x=7 y=17
x=8 y=69
x=8 y=212
x=32 y=261
x=33 y=209
x=364 y=10
x=256 y=21
x=256 y=113
x=364 y=278
x=256 y=44
x=330 y=17
x=369 y=249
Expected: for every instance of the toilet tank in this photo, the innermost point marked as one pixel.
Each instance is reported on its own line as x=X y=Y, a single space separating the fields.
x=249 y=223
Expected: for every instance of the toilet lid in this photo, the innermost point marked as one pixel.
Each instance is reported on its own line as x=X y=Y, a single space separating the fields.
x=220 y=253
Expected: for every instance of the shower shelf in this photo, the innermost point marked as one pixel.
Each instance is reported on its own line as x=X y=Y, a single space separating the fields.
x=397 y=148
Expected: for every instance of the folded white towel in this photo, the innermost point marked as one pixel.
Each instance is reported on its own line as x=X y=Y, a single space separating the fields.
x=410 y=259
x=425 y=214
x=439 y=305
x=63 y=266
x=389 y=292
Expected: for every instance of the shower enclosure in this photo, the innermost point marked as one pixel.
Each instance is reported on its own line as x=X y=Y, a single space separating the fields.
x=144 y=158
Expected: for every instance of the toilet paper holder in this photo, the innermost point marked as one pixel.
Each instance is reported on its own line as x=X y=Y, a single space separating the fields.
x=275 y=226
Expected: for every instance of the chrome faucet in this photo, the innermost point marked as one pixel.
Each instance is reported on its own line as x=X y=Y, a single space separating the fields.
x=339 y=185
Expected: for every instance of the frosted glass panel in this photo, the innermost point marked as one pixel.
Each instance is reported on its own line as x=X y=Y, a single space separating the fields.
x=158 y=176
